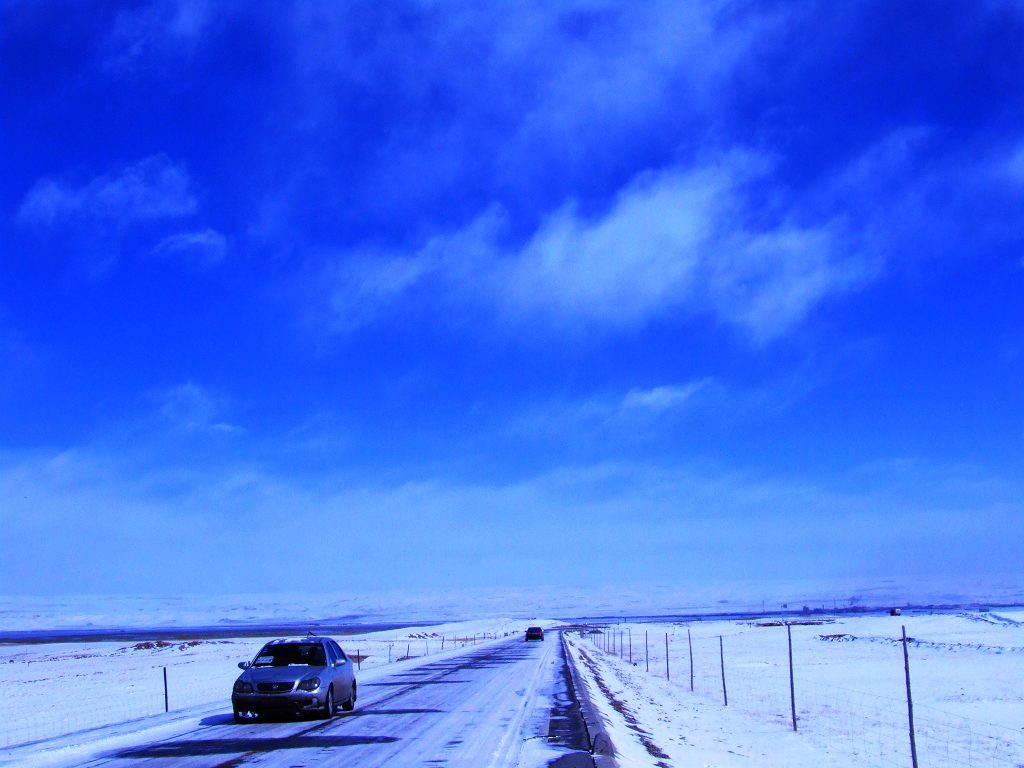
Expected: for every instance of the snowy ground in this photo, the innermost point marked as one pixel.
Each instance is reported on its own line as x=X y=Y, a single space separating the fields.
x=967 y=672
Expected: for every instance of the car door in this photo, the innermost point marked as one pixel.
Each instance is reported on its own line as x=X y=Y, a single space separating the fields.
x=332 y=670
x=341 y=671
x=346 y=674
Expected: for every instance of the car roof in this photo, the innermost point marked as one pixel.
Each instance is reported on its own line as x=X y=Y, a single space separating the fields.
x=286 y=640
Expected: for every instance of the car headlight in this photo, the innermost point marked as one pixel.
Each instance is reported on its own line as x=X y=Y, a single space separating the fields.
x=310 y=685
x=242 y=687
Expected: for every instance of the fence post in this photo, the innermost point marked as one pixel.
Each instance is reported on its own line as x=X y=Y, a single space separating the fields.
x=910 y=700
x=792 y=688
x=668 y=676
x=359 y=658
x=647 y=653
x=630 y=630
x=408 y=650
x=689 y=643
x=389 y=653
x=167 y=705
x=721 y=656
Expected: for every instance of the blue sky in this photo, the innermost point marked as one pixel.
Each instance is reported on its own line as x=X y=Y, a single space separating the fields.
x=441 y=295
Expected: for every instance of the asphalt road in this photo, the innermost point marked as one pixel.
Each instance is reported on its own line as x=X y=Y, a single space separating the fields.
x=478 y=709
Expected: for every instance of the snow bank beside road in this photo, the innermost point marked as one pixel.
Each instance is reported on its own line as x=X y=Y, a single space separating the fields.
x=653 y=723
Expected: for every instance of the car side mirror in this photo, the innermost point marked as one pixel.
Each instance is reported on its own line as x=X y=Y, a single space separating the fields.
x=243 y=665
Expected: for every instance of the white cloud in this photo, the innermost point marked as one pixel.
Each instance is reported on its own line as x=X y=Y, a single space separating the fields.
x=677 y=241
x=191 y=408
x=639 y=413
x=200 y=249
x=364 y=286
x=623 y=268
x=912 y=199
x=768 y=282
x=158 y=28
x=154 y=188
x=1013 y=166
x=610 y=72
x=580 y=94
x=664 y=398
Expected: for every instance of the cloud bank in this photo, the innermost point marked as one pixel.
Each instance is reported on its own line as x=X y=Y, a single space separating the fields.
x=153 y=188
x=678 y=240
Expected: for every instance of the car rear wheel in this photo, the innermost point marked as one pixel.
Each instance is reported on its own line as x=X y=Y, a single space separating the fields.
x=349 y=705
x=328 y=710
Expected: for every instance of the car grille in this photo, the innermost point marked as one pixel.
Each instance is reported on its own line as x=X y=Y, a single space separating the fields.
x=274 y=687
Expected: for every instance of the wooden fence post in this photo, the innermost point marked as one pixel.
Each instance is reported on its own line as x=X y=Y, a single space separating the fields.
x=689 y=643
x=668 y=675
x=910 y=700
x=721 y=656
x=792 y=687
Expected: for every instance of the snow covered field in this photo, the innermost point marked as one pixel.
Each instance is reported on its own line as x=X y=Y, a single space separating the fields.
x=967 y=672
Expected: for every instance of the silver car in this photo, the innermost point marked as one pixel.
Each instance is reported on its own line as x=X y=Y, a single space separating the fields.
x=308 y=675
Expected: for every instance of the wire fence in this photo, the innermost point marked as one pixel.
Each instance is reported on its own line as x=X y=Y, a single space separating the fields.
x=104 y=702
x=872 y=728
x=68 y=692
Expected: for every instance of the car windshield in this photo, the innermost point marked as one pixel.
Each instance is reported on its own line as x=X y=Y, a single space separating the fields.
x=285 y=654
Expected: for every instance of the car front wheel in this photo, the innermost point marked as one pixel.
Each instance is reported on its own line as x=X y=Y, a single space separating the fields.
x=349 y=705
x=328 y=710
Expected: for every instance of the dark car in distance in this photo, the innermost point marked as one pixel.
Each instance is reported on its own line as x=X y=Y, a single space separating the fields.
x=534 y=633
x=308 y=675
